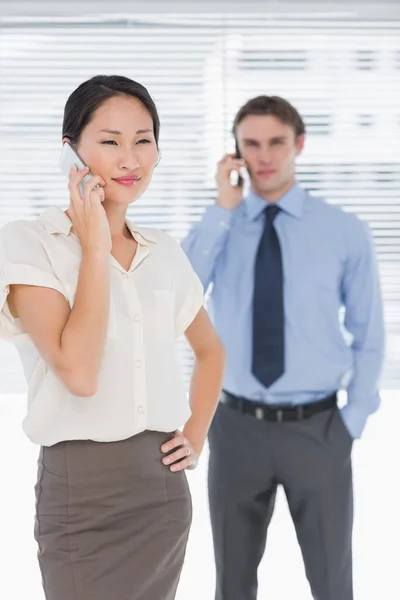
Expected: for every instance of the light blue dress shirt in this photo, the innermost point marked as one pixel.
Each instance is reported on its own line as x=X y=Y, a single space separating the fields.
x=329 y=265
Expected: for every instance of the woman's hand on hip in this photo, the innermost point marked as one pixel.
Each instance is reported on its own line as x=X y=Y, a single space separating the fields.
x=180 y=453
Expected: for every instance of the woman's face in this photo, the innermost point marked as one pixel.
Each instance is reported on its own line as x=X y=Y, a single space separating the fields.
x=119 y=145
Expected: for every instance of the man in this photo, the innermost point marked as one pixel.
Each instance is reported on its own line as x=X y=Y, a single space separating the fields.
x=282 y=264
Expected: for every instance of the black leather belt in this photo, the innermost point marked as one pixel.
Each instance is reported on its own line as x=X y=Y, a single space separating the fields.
x=276 y=412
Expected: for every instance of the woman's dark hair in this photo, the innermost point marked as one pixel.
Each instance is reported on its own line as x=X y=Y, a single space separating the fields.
x=91 y=94
x=271 y=105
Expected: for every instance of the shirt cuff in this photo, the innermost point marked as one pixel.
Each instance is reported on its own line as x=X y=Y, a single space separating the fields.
x=10 y=328
x=194 y=301
x=354 y=420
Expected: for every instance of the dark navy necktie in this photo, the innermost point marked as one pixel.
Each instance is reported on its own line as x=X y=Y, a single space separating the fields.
x=268 y=312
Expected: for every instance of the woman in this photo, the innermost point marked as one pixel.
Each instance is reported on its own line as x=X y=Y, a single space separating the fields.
x=95 y=305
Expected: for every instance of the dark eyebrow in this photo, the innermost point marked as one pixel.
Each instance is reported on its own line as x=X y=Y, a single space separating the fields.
x=281 y=138
x=114 y=132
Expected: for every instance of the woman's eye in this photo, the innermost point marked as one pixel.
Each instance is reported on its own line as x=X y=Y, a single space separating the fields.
x=144 y=141
x=109 y=142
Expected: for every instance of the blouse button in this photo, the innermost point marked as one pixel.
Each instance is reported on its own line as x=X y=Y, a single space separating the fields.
x=140 y=410
x=138 y=364
x=137 y=318
x=125 y=275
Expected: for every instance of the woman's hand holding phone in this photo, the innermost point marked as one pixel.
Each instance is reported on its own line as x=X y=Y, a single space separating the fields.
x=229 y=196
x=87 y=214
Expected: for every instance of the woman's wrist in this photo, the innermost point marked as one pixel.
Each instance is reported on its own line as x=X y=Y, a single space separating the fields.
x=195 y=434
x=95 y=252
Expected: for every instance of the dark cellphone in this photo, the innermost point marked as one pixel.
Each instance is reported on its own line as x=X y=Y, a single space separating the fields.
x=238 y=155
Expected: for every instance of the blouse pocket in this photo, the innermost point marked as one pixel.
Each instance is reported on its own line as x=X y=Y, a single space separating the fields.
x=164 y=312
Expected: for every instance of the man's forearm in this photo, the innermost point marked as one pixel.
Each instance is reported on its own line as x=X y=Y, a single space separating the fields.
x=206 y=241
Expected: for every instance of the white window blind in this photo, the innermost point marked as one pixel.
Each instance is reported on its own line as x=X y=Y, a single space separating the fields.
x=342 y=74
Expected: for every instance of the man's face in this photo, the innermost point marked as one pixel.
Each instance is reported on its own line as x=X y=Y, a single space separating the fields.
x=269 y=148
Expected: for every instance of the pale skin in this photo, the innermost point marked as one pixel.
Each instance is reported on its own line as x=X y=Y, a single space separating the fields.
x=268 y=149
x=118 y=142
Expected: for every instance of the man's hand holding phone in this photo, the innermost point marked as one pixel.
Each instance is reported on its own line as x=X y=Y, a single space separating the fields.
x=229 y=196
x=87 y=213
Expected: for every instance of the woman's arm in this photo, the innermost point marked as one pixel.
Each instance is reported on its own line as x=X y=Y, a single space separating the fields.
x=72 y=341
x=205 y=389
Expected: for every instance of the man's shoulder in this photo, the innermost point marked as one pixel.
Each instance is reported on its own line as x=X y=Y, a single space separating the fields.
x=320 y=207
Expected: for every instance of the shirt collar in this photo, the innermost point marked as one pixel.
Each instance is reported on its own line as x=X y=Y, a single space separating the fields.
x=292 y=203
x=56 y=221
x=141 y=234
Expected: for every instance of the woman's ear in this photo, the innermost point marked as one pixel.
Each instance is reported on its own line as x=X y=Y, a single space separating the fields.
x=65 y=139
x=158 y=160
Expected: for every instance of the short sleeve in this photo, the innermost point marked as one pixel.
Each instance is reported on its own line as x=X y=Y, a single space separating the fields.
x=189 y=292
x=23 y=260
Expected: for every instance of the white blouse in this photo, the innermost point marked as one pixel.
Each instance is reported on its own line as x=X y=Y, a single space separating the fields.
x=152 y=304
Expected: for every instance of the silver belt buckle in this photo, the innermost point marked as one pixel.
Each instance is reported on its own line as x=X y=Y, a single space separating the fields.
x=259 y=413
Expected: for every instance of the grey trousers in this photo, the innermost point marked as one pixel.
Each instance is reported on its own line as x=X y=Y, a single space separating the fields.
x=311 y=459
x=111 y=520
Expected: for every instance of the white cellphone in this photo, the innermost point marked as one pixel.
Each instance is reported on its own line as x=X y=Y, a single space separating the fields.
x=69 y=157
x=235 y=177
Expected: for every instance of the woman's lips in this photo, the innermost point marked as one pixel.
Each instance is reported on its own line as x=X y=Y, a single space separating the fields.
x=127 y=180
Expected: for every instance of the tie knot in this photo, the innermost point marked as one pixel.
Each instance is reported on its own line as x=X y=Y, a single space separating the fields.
x=271 y=211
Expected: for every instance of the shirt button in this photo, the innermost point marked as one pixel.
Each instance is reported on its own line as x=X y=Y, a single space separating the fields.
x=125 y=275
x=140 y=410
x=137 y=318
x=224 y=225
x=138 y=364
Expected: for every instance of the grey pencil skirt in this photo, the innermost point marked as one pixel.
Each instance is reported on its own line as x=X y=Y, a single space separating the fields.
x=111 y=520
